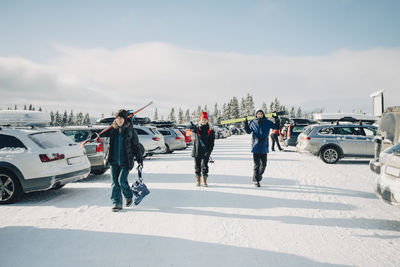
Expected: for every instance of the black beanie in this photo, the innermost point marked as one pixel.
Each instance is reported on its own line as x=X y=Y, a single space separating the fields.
x=122 y=113
x=260 y=110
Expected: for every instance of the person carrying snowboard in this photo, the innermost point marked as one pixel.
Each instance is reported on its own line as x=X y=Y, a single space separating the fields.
x=202 y=147
x=260 y=128
x=124 y=145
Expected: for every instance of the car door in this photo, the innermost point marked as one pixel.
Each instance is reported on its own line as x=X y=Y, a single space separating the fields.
x=369 y=143
x=350 y=140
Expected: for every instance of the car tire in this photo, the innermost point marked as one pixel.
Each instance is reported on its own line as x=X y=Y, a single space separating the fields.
x=168 y=151
x=10 y=187
x=330 y=155
x=99 y=171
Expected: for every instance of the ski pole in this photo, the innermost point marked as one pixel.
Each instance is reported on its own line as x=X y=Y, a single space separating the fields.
x=107 y=129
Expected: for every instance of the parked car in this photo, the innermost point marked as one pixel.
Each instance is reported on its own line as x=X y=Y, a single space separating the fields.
x=333 y=142
x=388 y=181
x=151 y=140
x=188 y=136
x=96 y=149
x=38 y=159
x=291 y=130
x=173 y=138
x=388 y=134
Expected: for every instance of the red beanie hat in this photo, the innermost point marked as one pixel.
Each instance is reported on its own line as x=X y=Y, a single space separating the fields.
x=204 y=115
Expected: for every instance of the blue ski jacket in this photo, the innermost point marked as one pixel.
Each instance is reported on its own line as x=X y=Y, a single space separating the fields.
x=260 y=129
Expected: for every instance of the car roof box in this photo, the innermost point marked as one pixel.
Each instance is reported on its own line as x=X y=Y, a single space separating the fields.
x=24 y=118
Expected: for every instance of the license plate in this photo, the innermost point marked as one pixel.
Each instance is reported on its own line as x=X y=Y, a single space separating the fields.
x=75 y=160
x=392 y=171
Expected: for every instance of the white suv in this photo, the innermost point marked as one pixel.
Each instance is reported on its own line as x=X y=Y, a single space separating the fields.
x=37 y=159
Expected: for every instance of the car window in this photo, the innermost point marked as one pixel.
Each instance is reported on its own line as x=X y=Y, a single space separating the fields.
x=50 y=139
x=155 y=131
x=10 y=141
x=77 y=135
x=165 y=132
x=369 y=131
x=327 y=130
x=344 y=131
x=358 y=131
x=298 y=129
x=141 y=131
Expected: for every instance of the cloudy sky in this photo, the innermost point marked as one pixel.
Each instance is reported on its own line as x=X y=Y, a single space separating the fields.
x=99 y=56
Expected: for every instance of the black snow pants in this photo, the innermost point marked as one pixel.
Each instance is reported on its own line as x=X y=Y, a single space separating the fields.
x=201 y=166
x=260 y=163
x=274 y=138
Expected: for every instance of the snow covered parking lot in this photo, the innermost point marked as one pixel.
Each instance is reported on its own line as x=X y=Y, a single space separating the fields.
x=306 y=213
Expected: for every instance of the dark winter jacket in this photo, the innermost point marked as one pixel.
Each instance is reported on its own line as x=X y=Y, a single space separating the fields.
x=207 y=136
x=124 y=145
x=260 y=129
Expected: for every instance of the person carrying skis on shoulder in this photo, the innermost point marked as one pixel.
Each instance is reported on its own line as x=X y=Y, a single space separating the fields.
x=202 y=147
x=124 y=145
x=260 y=128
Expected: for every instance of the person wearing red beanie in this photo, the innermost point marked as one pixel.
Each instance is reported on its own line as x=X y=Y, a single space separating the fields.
x=202 y=147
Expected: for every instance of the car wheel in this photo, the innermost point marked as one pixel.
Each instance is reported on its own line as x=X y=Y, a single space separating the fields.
x=330 y=155
x=168 y=151
x=10 y=188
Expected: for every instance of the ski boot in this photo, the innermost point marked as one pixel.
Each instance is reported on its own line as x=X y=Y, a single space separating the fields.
x=140 y=191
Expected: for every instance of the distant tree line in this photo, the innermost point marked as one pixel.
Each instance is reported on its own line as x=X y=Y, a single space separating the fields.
x=61 y=119
x=233 y=109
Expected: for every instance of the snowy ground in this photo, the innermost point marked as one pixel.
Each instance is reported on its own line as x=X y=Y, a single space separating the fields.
x=306 y=213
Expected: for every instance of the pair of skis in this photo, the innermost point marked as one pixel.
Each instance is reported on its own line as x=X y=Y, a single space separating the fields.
x=109 y=128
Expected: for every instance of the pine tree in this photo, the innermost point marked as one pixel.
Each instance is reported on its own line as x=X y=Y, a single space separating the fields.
x=71 y=118
x=52 y=118
x=30 y=107
x=156 y=115
x=225 y=112
x=171 y=116
x=215 y=114
x=65 y=118
x=40 y=109
x=58 y=119
x=234 y=108
x=24 y=107
x=180 y=116
x=249 y=105
x=79 y=119
x=292 y=112
x=299 y=113
x=242 y=108
x=15 y=107
x=198 y=113
x=86 y=120
x=187 y=116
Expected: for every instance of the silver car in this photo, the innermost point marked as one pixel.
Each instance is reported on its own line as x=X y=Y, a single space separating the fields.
x=388 y=181
x=150 y=139
x=333 y=142
x=96 y=149
x=174 y=139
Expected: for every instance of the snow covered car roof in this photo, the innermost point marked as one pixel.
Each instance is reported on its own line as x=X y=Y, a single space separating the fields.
x=24 y=118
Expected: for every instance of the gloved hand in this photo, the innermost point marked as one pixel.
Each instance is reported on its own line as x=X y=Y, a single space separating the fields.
x=140 y=165
x=93 y=135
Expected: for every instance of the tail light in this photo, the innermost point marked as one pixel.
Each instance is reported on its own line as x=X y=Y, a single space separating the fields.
x=156 y=139
x=288 y=131
x=99 y=146
x=178 y=138
x=51 y=157
x=306 y=138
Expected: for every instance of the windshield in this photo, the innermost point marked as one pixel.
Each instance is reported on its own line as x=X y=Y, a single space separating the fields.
x=77 y=136
x=50 y=139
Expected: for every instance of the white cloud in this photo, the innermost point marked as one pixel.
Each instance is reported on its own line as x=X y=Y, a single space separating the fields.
x=99 y=80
